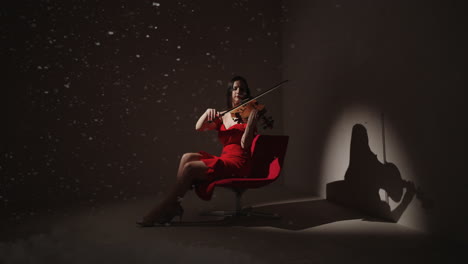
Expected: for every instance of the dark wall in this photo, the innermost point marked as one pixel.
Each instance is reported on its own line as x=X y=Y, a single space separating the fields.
x=405 y=59
x=100 y=99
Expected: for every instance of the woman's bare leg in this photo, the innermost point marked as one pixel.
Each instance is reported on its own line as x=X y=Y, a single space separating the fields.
x=187 y=157
x=191 y=171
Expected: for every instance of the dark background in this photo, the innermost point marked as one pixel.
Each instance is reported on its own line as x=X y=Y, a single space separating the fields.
x=100 y=98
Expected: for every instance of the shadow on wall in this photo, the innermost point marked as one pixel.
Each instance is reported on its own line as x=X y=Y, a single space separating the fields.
x=367 y=179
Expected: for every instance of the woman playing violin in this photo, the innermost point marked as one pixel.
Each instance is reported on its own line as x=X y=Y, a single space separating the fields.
x=235 y=133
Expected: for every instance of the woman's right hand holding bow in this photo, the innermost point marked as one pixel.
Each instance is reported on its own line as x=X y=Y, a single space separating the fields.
x=211 y=114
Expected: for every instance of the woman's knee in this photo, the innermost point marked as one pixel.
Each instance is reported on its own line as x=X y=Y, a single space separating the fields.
x=187 y=157
x=192 y=170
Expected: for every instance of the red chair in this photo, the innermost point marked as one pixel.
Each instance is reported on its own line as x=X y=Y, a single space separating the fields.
x=268 y=152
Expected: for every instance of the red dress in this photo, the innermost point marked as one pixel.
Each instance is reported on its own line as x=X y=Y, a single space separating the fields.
x=234 y=161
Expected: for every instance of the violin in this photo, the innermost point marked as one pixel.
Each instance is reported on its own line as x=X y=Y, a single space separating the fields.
x=242 y=113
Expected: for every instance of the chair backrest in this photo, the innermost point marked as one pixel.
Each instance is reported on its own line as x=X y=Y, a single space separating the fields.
x=268 y=152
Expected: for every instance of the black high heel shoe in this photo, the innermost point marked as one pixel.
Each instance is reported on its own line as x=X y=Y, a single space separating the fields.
x=164 y=218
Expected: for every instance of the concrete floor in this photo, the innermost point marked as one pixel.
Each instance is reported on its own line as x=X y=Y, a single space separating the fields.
x=310 y=230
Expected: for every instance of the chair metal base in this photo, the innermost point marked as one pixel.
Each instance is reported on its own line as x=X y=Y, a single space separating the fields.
x=240 y=211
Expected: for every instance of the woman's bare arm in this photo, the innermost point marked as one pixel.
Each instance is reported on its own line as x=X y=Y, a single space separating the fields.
x=206 y=121
x=248 y=135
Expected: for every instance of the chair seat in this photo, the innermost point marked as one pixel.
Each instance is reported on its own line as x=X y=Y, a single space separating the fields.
x=248 y=183
x=268 y=154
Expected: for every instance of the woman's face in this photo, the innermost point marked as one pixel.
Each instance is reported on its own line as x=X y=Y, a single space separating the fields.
x=238 y=93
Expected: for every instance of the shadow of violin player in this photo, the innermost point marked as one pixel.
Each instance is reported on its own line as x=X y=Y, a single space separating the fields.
x=367 y=180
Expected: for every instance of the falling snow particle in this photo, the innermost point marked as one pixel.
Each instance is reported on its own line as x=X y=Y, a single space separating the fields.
x=138 y=55
x=98 y=44
x=110 y=32
x=208 y=54
x=156 y=4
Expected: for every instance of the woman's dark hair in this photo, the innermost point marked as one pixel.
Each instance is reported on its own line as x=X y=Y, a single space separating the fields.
x=244 y=86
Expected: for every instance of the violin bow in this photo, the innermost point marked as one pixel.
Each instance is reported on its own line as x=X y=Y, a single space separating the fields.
x=254 y=98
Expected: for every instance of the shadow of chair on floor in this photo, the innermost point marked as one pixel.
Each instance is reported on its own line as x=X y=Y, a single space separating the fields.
x=292 y=216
